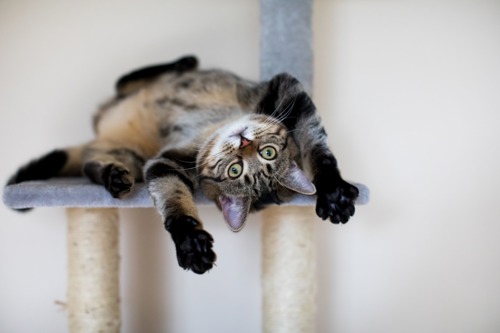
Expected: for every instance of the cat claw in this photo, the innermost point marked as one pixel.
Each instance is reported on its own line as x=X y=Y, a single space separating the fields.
x=193 y=244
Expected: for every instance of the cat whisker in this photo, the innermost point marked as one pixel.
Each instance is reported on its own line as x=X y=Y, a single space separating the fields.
x=208 y=160
x=272 y=119
x=287 y=108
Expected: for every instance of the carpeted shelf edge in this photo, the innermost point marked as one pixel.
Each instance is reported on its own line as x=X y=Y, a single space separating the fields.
x=80 y=192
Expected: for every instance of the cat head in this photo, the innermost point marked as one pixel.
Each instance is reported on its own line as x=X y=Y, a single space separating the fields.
x=245 y=160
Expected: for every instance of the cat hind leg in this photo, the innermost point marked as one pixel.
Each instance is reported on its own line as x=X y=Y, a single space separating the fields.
x=137 y=79
x=58 y=163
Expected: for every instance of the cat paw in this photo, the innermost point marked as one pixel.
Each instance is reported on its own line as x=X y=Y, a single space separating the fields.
x=117 y=180
x=335 y=201
x=192 y=244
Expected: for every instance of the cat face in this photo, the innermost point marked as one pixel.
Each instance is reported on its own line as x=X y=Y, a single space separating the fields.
x=245 y=160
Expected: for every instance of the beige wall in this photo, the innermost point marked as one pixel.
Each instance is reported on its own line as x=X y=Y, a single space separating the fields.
x=409 y=92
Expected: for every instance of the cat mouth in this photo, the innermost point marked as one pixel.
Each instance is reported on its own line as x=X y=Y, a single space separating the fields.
x=240 y=136
x=244 y=142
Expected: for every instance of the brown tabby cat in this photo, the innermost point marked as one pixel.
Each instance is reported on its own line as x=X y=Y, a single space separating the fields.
x=179 y=129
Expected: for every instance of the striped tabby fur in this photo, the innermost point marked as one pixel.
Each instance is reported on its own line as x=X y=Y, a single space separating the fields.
x=244 y=144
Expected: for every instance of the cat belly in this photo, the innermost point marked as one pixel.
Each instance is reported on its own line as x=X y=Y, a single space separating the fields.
x=131 y=123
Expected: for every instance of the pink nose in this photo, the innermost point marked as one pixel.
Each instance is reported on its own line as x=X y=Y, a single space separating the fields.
x=244 y=142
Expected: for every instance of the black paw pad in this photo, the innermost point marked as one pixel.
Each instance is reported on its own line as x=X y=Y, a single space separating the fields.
x=193 y=244
x=117 y=180
x=336 y=201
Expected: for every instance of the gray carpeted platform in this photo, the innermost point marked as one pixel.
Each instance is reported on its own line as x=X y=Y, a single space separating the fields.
x=80 y=192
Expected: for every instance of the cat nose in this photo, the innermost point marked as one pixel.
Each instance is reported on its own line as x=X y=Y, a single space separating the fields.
x=244 y=142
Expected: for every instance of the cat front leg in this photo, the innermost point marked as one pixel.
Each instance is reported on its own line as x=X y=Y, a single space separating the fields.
x=335 y=196
x=115 y=168
x=286 y=100
x=171 y=187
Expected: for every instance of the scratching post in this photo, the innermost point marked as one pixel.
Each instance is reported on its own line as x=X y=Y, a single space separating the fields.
x=288 y=270
x=93 y=270
x=288 y=242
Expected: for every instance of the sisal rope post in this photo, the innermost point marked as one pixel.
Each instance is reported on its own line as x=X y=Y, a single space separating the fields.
x=289 y=270
x=93 y=270
x=288 y=233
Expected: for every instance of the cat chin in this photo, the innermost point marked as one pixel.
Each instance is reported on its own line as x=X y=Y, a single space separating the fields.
x=240 y=130
x=233 y=130
x=242 y=125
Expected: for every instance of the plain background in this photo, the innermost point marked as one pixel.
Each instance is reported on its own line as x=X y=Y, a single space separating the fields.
x=410 y=94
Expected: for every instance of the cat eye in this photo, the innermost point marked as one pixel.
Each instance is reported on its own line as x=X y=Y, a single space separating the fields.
x=235 y=170
x=268 y=153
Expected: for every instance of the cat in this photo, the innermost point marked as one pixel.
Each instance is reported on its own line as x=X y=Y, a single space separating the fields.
x=178 y=128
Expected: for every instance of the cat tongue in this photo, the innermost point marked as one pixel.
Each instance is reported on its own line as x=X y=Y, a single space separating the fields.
x=235 y=210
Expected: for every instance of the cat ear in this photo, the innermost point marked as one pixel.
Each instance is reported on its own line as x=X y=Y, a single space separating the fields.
x=235 y=211
x=296 y=180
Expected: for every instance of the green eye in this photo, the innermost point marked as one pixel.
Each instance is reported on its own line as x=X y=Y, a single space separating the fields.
x=235 y=170
x=269 y=153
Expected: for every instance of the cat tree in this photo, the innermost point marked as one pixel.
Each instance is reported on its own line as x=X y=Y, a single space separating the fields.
x=288 y=272
x=288 y=241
